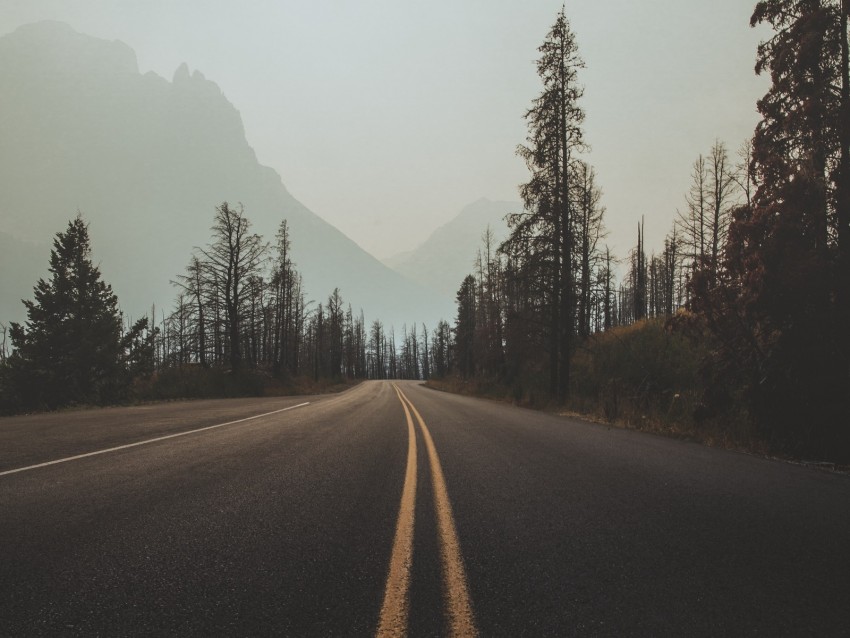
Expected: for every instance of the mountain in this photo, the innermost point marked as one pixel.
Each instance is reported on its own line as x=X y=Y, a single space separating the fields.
x=147 y=160
x=448 y=255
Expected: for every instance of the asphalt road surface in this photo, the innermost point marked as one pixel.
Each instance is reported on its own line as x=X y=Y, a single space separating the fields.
x=393 y=509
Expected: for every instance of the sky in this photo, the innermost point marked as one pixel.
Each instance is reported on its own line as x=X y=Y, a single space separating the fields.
x=387 y=117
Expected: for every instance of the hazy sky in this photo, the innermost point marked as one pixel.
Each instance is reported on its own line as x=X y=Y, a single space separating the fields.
x=387 y=117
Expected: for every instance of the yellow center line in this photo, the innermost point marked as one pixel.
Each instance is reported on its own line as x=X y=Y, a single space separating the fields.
x=394 y=611
x=461 y=618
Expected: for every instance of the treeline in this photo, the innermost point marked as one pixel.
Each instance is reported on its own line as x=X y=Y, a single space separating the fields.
x=750 y=296
x=537 y=297
x=741 y=322
x=241 y=306
x=241 y=324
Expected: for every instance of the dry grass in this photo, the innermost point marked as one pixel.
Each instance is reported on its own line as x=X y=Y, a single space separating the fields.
x=195 y=382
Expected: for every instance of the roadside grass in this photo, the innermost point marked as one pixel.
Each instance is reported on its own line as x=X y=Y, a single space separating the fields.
x=195 y=382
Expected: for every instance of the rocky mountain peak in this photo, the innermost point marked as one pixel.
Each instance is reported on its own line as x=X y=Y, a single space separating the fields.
x=147 y=161
x=57 y=46
x=181 y=75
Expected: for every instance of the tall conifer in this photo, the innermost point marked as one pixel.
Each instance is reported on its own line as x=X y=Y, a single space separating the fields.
x=70 y=348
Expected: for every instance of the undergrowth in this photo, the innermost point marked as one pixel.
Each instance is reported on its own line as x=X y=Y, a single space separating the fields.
x=643 y=376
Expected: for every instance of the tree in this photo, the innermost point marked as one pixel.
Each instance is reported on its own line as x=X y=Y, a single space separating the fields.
x=465 y=327
x=233 y=257
x=425 y=351
x=336 y=331
x=781 y=312
x=608 y=301
x=742 y=174
x=441 y=349
x=138 y=346
x=70 y=349
x=288 y=306
x=554 y=137
x=694 y=222
x=637 y=276
x=194 y=285
x=588 y=223
x=489 y=332
x=4 y=332
x=721 y=198
x=671 y=266
x=377 y=351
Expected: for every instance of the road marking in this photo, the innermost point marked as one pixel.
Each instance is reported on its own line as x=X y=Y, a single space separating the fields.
x=394 y=611
x=145 y=442
x=461 y=618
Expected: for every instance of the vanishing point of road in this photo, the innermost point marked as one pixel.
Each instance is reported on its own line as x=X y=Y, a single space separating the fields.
x=392 y=509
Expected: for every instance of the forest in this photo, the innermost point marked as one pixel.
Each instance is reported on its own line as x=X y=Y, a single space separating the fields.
x=241 y=324
x=738 y=330
x=735 y=331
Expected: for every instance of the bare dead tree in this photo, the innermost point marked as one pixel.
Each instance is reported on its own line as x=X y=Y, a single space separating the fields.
x=721 y=200
x=232 y=258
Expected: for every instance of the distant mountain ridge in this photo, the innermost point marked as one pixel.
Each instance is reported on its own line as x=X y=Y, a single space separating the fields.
x=448 y=254
x=146 y=161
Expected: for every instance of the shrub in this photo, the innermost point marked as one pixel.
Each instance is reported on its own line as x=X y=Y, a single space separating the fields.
x=637 y=372
x=197 y=382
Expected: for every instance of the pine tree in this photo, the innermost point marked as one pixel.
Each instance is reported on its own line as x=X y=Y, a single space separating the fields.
x=555 y=137
x=465 y=327
x=70 y=349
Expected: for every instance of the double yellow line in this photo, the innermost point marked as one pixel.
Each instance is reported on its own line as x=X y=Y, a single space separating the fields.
x=395 y=609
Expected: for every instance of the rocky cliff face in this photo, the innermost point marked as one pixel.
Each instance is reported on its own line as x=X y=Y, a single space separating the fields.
x=146 y=160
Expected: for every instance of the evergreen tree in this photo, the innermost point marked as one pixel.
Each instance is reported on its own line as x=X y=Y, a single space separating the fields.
x=441 y=349
x=780 y=312
x=465 y=327
x=70 y=349
x=555 y=136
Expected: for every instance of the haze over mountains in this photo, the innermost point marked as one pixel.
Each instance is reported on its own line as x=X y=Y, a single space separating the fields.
x=146 y=160
x=448 y=255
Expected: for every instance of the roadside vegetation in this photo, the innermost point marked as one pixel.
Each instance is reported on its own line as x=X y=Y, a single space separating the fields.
x=736 y=331
x=241 y=326
x=646 y=375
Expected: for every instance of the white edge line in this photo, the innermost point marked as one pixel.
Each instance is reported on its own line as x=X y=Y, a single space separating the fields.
x=145 y=442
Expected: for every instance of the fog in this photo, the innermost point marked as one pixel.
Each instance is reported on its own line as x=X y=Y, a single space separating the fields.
x=387 y=118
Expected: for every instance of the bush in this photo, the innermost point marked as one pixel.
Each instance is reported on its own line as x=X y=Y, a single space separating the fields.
x=637 y=372
x=197 y=382
x=652 y=376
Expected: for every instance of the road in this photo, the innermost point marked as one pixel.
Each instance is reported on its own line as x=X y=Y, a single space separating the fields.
x=321 y=516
